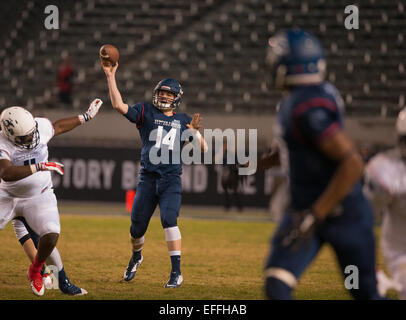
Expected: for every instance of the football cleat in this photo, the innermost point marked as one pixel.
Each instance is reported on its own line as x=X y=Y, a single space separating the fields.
x=67 y=287
x=37 y=284
x=132 y=268
x=175 y=280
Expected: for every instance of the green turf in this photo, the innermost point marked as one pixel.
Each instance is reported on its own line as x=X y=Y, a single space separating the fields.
x=221 y=259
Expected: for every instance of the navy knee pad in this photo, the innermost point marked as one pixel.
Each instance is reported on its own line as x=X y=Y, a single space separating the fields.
x=276 y=289
x=169 y=223
x=169 y=219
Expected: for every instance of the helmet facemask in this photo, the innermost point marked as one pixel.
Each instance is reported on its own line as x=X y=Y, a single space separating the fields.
x=29 y=141
x=163 y=102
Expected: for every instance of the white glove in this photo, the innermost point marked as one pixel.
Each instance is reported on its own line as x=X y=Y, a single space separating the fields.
x=92 y=111
x=47 y=166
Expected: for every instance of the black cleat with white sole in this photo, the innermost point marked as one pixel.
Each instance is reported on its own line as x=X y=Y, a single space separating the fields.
x=69 y=288
x=132 y=268
x=175 y=280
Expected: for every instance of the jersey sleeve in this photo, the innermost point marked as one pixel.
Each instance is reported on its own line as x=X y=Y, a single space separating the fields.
x=317 y=120
x=135 y=114
x=188 y=118
x=5 y=152
x=46 y=129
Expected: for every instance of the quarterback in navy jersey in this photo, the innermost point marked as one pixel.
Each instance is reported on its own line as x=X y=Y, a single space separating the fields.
x=161 y=131
x=327 y=203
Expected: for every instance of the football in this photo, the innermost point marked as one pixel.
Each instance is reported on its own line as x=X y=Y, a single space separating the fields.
x=109 y=54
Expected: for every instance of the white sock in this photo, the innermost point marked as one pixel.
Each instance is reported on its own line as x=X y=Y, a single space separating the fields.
x=55 y=259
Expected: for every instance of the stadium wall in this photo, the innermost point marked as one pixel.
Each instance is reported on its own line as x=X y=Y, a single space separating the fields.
x=102 y=174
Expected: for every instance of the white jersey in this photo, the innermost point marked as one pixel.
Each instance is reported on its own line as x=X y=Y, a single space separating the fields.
x=385 y=186
x=38 y=182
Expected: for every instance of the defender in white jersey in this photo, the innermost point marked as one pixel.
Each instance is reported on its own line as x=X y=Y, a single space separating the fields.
x=385 y=185
x=25 y=173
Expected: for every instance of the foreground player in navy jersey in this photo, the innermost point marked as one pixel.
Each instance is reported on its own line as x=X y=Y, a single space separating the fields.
x=325 y=169
x=160 y=129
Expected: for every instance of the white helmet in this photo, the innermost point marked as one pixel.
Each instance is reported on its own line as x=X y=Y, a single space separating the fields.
x=19 y=126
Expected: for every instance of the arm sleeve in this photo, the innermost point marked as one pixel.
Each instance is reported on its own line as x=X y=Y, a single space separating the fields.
x=136 y=114
x=317 y=123
x=46 y=129
x=4 y=153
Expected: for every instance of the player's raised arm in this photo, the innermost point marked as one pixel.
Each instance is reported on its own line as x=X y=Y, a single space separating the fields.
x=67 y=124
x=115 y=96
x=195 y=125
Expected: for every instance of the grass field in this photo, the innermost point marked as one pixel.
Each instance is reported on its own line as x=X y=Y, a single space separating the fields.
x=221 y=259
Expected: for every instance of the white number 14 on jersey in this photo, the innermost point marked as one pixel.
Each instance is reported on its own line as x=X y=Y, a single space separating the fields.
x=168 y=139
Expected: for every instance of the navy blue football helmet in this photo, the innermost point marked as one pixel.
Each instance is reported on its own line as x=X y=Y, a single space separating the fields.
x=295 y=57
x=164 y=103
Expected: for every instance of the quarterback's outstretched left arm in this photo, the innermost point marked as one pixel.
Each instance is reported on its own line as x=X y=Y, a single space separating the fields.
x=195 y=126
x=67 y=124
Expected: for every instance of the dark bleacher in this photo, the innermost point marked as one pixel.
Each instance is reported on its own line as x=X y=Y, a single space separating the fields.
x=214 y=48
